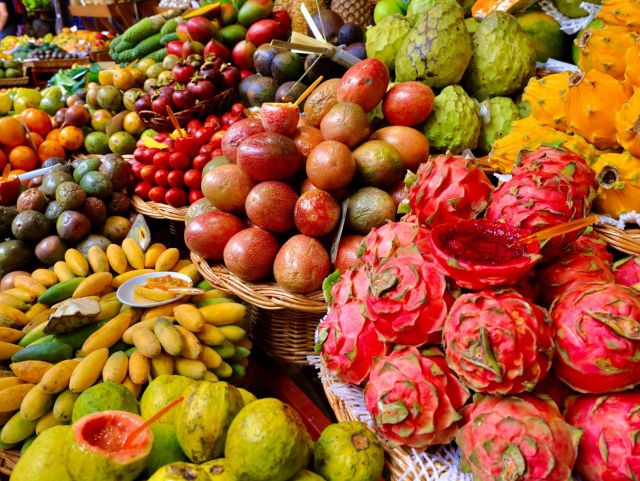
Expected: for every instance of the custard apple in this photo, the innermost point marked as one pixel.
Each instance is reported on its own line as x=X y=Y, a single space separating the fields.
x=454 y=123
x=385 y=39
x=503 y=60
x=417 y=7
x=497 y=115
x=437 y=49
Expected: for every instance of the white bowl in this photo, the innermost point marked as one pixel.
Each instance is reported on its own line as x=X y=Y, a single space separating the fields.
x=125 y=291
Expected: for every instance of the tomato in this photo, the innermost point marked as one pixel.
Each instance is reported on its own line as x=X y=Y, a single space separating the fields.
x=237 y=109
x=193 y=126
x=216 y=140
x=195 y=195
x=161 y=137
x=140 y=144
x=157 y=194
x=161 y=177
x=169 y=143
x=192 y=178
x=161 y=159
x=179 y=160
x=147 y=157
x=142 y=190
x=217 y=152
x=148 y=172
x=199 y=161
x=206 y=149
x=226 y=118
x=176 y=197
x=176 y=178
x=213 y=121
x=138 y=154
x=203 y=135
x=136 y=167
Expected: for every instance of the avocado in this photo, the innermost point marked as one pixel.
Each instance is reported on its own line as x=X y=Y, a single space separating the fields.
x=89 y=164
x=50 y=250
x=54 y=161
x=54 y=178
x=73 y=226
x=69 y=195
x=14 y=256
x=116 y=169
x=53 y=211
x=96 y=184
x=290 y=91
x=232 y=34
x=287 y=66
x=263 y=57
x=95 y=209
x=256 y=90
x=7 y=214
x=30 y=226
x=119 y=204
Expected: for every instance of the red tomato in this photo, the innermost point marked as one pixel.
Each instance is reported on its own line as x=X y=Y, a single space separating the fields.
x=199 y=161
x=169 y=143
x=216 y=140
x=192 y=178
x=204 y=135
x=142 y=190
x=213 y=121
x=226 y=118
x=147 y=157
x=237 y=109
x=188 y=146
x=161 y=159
x=206 y=149
x=136 y=167
x=161 y=137
x=140 y=144
x=138 y=154
x=195 y=195
x=193 y=126
x=161 y=177
x=176 y=178
x=148 y=172
x=217 y=152
x=179 y=160
x=157 y=194
x=176 y=197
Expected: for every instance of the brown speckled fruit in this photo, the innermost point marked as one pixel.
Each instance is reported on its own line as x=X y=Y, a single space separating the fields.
x=301 y=264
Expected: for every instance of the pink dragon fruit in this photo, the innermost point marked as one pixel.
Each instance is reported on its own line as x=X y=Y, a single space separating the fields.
x=627 y=272
x=554 y=388
x=353 y=285
x=447 y=188
x=597 y=337
x=405 y=300
x=414 y=398
x=518 y=438
x=592 y=243
x=383 y=241
x=581 y=262
x=349 y=343
x=497 y=342
x=610 y=445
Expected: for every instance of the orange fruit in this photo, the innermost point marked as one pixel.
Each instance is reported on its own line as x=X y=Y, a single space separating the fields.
x=37 y=120
x=3 y=160
x=12 y=132
x=37 y=139
x=53 y=135
x=51 y=148
x=23 y=157
x=71 y=137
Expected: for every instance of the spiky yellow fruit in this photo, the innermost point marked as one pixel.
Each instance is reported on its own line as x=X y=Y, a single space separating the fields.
x=628 y=125
x=547 y=98
x=618 y=183
x=625 y=13
x=632 y=60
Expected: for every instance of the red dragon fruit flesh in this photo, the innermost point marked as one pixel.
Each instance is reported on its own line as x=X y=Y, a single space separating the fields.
x=627 y=272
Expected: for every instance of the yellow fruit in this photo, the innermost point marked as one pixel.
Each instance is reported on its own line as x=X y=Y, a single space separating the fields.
x=170 y=339
x=37 y=320
x=117 y=259
x=192 y=271
x=116 y=367
x=136 y=389
x=139 y=369
x=191 y=345
x=181 y=264
x=628 y=125
x=632 y=61
x=167 y=259
x=62 y=271
x=93 y=285
x=155 y=295
x=161 y=311
x=601 y=46
x=210 y=358
x=109 y=296
x=63 y=406
x=88 y=370
x=152 y=254
x=35 y=310
x=547 y=98
x=190 y=368
x=45 y=277
x=47 y=421
x=122 y=278
x=20 y=294
x=13 y=314
x=30 y=371
x=98 y=260
x=128 y=334
x=11 y=397
x=17 y=429
x=12 y=301
x=211 y=335
x=57 y=378
x=107 y=335
x=35 y=404
x=76 y=262
x=161 y=365
x=619 y=185
x=29 y=284
x=146 y=342
x=224 y=314
x=189 y=317
x=625 y=13
x=223 y=371
x=10 y=335
x=135 y=312
x=9 y=381
x=246 y=343
x=210 y=376
x=7 y=350
x=108 y=309
x=233 y=333
x=133 y=252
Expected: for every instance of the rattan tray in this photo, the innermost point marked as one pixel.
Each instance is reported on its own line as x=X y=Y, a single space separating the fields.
x=627 y=241
x=156 y=210
x=14 y=82
x=8 y=460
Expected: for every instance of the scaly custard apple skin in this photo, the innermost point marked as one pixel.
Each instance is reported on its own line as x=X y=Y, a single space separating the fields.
x=503 y=60
x=454 y=123
x=497 y=114
x=385 y=39
x=437 y=49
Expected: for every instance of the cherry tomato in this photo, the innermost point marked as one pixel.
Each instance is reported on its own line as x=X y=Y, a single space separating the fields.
x=216 y=152
x=192 y=178
x=148 y=172
x=204 y=135
x=179 y=160
x=161 y=177
x=237 y=109
x=140 y=144
x=138 y=154
x=147 y=157
x=216 y=140
x=161 y=159
x=193 y=126
x=176 y=178
x=161 y=137
x=195 y=195
x=226 y=118
x=136 y=167
x=234 y=119
x=169 y=143
x=176 y=197
x=187 y=145
x=206 y=149
x=142 y=190
x=199 y=161
x=213 y=121
x=157 y=194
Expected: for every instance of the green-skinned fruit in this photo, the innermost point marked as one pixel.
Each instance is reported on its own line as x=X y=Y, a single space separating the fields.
x=96 y=450
x=160 y=392
x=497 y=115
x=218 y=471
x=304 y=475
x=267 y=441
x=165 y=450
x=544 y=34
x=349 y=452
x=437 y=49
x=385 y=39
x=104 y=397
x=247 y=397
x=48 y=460
x=204 y=417
x=572 y=8
x=180 y=472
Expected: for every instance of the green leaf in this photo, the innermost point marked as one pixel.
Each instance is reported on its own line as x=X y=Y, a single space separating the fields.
x=624 y=326
x=381 y=283
x=514 y=465
x=328 y=283
x=392 y=413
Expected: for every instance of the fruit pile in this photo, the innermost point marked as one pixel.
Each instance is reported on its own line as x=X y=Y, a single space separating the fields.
x=43 y=51
x=10 y=68
x=170 y=170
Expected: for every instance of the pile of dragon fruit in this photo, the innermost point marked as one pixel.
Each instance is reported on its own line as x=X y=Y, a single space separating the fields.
x=449 y=302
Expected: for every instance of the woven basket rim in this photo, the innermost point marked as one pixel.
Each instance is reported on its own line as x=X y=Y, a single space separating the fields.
x=8 y=460
x=157 y=210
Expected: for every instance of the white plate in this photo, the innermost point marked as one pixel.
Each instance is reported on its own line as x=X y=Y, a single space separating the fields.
x=125 y=291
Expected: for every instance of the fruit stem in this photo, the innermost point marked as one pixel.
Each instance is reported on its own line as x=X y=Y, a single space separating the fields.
x=310 y=89
x=152 y=420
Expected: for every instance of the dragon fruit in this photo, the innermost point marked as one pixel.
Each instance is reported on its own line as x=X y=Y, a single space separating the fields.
x=627 y=272
x=554 y=388
x=353 y=285
x=581 y=262
x=610 y=445
x=448 y=188
x=497 y=342
x=349 y=343
x=478 y=254
x=405 y=300
x=383 y=241
x=414 y=398
x=597 y=341
x=518 y=438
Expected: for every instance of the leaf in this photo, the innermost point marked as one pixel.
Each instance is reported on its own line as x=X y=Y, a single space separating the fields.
x=392 y=413
x=480 y=354
x=624 y=326
x=381 y=283
x=514 y=465
x=327 y=285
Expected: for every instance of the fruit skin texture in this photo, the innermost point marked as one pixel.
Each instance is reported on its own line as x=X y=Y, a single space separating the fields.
x=348 y=343
x=597 y=347
x=301 y=264
x=353 y=285
x=521 y=438
x=414 y=398
x=627 y=272
x=454 y=123
x=385 y=241
x=619 y=187
x=364 y=84
x=160 y=392
x=497 y=115
x=632 y=71
x=448 y=188
x=498 y=342
x=621 y=12
x=384 y=40
x=268 y=156
x=47 y=460
x=628 y=125
x=547 y=98
x=503 y=60
x=267 y=441
x=103 y=396
x=609 y=447
x=405 y=301
x=592 y=102
x=437 y=49
x=348 y=450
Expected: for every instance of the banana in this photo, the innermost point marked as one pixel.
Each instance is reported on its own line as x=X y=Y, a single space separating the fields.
x=30 y=371
x=122 y=278
x=63 y=406
x=192 y=368
x=116 y=367
x=11 y=397
x=7 y=334
x=47 y=421
x=7 y=350
x=211 y=335
x=136 y=389
x=36 y=309
x=76 y=262
x=192 y=271
x=161 y=364
x=57 y=378
x=88 y=370
x=45 y=277
x=151 y=256
x=62 y=271
x=35 y=404
x=170 y=339
x=17 y=429
x=155 y=295
x=139 y=369
x=210 y=358
x=98 y=260
x=9 y=300
x=29 y=284
x=233 y=333
x=167 y=260
x=13 y=314
x=133 y=253
x=189 y=317
x=93 y=285
x=146 y=343
x=117 y=259
x=191 y=345
x=107 y=335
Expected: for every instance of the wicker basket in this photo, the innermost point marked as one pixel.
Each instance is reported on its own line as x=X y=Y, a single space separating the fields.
x=8 y=460
x=156 y=210
x=218 y=104
x=14 y=82
x=627 y=241
x=286 y=321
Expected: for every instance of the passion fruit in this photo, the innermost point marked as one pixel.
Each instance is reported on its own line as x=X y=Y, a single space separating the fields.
x=270 y=205
x=330 y=165
x=301 y=264
x=250 y=254
x=378 y=164
x=320 y=101
x=348 y=249
x=226 y=187
x=346 y=122
x=369 y=207
x=411 y=144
